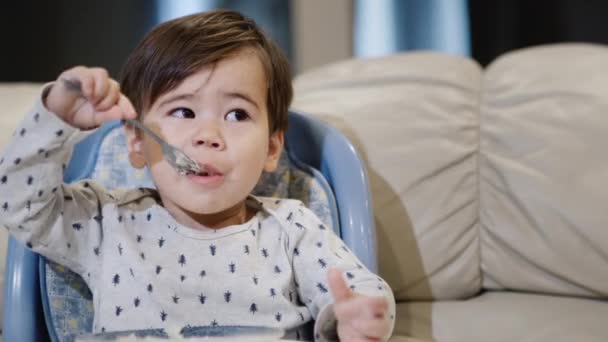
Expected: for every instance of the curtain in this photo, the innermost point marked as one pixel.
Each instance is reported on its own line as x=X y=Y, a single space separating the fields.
x=271 y=15
x=384 y=27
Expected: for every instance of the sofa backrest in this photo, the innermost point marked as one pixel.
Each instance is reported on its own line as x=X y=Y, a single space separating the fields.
x=481 y=179
x=544 y=171
x=414 y=118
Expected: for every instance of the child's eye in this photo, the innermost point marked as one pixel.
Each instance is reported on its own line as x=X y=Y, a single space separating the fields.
x=237 y=115
x=183 y=113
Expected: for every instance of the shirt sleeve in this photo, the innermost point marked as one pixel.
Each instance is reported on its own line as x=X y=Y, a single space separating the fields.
x=60 y=221
x=316 y=249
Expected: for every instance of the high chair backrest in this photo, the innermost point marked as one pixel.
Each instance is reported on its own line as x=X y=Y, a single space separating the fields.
x=319 y=167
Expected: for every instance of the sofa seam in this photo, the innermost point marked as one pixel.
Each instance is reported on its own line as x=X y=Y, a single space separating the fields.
x=480 y=102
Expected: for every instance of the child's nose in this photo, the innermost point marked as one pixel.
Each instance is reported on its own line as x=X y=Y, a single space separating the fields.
x=210 y=142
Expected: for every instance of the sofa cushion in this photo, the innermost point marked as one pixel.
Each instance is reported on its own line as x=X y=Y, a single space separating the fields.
x=505 y=317
x=544 y=171
x=414 y=119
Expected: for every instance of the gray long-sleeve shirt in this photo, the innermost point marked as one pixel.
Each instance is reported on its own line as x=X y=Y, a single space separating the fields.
x=145 y=270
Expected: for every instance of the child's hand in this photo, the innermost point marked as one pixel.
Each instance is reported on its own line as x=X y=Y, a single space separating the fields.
x=360 y=318
x=99 y=101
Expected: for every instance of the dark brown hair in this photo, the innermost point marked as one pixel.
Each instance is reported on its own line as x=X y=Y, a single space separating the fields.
x=178 y=48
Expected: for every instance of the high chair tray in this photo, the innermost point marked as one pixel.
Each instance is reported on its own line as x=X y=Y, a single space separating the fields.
x=191 y=334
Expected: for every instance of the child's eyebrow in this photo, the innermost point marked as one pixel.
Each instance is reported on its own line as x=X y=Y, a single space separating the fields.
x=243 y=97
x=176 y=97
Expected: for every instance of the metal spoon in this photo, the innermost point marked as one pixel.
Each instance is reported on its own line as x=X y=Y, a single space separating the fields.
x=178 y=159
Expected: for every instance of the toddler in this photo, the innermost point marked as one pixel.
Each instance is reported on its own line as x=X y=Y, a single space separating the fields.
x=199 y=249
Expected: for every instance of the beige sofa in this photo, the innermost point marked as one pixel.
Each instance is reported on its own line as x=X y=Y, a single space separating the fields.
x=490 y=187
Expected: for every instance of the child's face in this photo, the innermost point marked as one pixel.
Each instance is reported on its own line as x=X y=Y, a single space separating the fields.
x=219 y=118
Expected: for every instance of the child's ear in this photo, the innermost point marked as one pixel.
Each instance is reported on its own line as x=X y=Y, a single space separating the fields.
x=275 y=147
x=135 y=147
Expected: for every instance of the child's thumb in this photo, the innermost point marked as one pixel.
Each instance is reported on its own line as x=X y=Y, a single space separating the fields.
x=127 y=107
x=338 y=287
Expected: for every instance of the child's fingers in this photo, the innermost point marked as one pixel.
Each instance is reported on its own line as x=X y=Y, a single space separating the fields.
x=375 y=329
x=102 y=83
x=378 y=307
x=87 y=84
x=77 y=74
x=338 y=287
x=127 y=107
x=111 y=96
x=113 y=113
x=122 y=109
x=361 y=307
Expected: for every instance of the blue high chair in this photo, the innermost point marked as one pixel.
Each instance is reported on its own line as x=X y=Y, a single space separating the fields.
x=319 y=166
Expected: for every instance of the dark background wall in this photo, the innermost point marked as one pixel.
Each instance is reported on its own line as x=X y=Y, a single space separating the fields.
x=40 y=38
x=498 y=26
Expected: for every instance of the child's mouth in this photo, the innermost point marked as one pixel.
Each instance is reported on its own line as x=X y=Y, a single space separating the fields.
x=205 y=173
x=209 y=170
x=207 y=176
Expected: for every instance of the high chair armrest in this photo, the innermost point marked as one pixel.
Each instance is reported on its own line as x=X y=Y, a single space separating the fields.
x=328 y=150
x=23 y=318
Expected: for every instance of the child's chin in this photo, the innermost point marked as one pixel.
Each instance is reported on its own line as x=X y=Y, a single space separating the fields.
x=210 y=208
